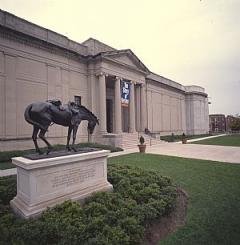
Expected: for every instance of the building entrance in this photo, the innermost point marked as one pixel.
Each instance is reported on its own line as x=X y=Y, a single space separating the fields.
x=125 y=119
x=109 y=104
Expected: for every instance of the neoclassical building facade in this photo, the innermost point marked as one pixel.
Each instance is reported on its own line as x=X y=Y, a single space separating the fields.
x=37 y=64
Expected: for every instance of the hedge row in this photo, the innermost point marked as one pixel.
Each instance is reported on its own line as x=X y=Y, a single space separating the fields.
x=117 y=218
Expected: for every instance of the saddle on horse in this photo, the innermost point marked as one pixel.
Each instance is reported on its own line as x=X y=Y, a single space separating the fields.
x=58 y=104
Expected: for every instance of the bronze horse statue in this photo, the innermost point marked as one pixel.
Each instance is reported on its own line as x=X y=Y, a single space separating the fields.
x=43 y=114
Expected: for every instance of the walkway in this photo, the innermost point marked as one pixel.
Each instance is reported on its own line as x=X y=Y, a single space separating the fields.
x=206 y=152
x=227 y=154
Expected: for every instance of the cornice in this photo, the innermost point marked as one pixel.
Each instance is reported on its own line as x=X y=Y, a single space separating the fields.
x=113 y=61
x=166 y=86
x=196 y=93
x=23 y=26
x=39 y=44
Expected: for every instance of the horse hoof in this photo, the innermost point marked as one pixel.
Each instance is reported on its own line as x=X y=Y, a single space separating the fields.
x=48 y=151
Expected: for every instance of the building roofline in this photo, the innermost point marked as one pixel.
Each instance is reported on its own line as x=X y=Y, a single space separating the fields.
x=95 y=40
x=20 y=25
x=123 y=51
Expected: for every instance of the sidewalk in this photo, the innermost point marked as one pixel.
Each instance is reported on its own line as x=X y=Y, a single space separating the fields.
x=8 y=172
x=228 y=154
x=218 y=153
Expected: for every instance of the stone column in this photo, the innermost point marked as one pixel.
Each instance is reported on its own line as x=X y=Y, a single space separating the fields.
x=102 y=103
x=118 y=109
x=132 y=128
x=143 y=107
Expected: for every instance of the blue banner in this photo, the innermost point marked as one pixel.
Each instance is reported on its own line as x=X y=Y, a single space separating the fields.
x=125 y=92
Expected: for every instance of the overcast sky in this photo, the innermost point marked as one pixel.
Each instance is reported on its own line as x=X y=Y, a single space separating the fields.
x=188 y=41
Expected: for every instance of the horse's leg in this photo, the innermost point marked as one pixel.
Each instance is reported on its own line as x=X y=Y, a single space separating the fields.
x=34 y=137
x=69 y=137
x=75 y=128
x=42 y=137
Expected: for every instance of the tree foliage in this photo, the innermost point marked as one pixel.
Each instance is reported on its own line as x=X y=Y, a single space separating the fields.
x=234 y=125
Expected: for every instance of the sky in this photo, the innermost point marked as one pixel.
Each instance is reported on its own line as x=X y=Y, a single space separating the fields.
x=193 y=42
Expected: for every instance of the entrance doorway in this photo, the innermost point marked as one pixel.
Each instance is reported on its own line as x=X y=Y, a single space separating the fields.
x=109 y=104
x=125 y=119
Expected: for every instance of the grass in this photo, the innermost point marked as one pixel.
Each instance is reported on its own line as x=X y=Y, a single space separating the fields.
x=5 y=157
x=228 y=140
x=175 y=138
x=6 y=165
x=214 y=197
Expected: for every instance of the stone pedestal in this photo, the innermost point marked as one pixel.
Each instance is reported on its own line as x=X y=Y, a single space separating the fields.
x=47 y=182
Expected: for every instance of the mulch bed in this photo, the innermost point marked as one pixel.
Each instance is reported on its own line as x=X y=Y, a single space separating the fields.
x=159 y=229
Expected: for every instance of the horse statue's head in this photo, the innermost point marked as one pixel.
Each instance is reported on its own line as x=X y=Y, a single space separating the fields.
x=91 y=125
x=89 y=116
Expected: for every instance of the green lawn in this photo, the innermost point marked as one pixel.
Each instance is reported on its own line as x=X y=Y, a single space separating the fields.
x=214 y=188
x=6 y=165
x=176 y=138
x=228 y=140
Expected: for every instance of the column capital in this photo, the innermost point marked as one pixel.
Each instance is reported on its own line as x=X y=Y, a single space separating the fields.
x=133 y=82
x=99 y=74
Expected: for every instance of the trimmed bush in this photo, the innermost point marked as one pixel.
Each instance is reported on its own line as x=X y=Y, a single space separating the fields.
x=117 y=218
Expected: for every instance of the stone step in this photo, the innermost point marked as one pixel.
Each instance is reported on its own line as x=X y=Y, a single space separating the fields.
x=132 y=140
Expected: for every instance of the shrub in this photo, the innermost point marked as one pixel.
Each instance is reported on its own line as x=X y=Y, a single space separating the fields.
x=108 y=218
x=141 y=140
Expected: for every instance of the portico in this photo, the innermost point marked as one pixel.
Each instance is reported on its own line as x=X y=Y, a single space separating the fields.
x=114 y=116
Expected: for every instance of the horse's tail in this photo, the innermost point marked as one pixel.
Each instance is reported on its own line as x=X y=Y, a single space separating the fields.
x=29 y=119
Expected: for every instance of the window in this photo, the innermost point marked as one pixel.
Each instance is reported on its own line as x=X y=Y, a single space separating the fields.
x=77 y=100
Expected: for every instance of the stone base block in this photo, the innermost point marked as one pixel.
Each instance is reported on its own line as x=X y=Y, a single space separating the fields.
x=47 y=182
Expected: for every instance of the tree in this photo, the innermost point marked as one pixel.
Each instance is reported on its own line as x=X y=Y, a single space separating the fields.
x=234 y=125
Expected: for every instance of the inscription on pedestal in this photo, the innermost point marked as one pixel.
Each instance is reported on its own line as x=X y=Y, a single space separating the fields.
x=46 y=182
x=73 y=176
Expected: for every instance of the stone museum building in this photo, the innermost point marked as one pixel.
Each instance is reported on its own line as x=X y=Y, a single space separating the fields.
x=37 y=64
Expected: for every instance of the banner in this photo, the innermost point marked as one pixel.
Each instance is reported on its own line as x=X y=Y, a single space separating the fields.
x=125 y=93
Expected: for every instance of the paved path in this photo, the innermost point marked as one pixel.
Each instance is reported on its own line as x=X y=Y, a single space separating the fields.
x=206 y=152
x=228 y=154
x=7 y=172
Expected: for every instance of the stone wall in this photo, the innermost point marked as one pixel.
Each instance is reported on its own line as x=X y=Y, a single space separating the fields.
x=176 y=109
x=29 y=73
x=197 y=114
x=166 y=109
